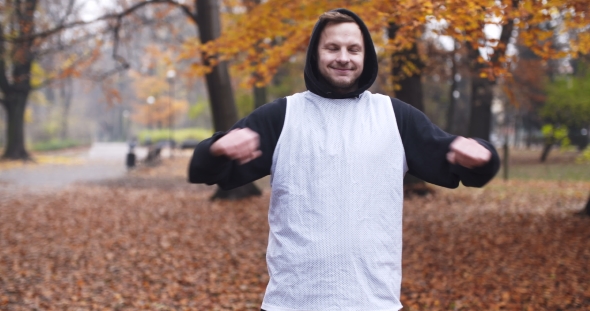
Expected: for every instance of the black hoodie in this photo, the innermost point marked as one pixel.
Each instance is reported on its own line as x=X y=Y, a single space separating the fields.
x=318 y=85
x=424 y=143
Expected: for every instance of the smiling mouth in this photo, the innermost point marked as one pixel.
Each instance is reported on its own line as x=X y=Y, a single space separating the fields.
x=343 y=71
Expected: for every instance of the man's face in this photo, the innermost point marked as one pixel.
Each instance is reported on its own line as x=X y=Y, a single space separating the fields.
x=341 y=54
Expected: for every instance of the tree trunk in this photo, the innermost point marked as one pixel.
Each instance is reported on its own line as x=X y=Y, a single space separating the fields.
x=221 y=96
x=528 y=130
x=411 y=86
x=546 y=149
x=259 y=96
x=411 y=91
x=259 y=93
x=480 y=119
x=454 y=87
x=16 y=92
x=15 y=118
x=66 y=97
x=506 y=158
x=219 y=86
x=587 y=208
x=480 y=115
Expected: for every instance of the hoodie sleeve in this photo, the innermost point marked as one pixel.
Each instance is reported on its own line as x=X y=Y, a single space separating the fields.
x=426 y=147
x=205 y=168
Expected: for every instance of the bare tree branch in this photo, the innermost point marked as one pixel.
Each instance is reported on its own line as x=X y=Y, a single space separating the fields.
x=123 y=64
x=105 y=75
x=17 y=10
x=114 y=16
x=122 y=61
x=22 y=55
x=59 y=47
x=69 y=10
x=60 y=75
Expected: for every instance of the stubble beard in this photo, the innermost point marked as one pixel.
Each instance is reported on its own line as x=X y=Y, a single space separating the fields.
x=342 y=86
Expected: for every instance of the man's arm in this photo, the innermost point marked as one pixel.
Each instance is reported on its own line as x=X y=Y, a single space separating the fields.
x=221 y=160
x=439 y=157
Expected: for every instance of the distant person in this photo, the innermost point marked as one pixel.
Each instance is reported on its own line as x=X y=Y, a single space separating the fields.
x=337 y=155
x=131 y=157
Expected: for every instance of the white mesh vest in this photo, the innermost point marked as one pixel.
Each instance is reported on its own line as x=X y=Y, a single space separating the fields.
x=335 y=215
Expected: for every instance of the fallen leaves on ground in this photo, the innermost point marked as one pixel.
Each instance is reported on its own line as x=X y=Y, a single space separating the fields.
x=510 y=246
x=68 y=157
x=142 y=245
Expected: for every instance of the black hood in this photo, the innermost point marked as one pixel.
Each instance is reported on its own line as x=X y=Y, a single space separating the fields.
x=318 y=85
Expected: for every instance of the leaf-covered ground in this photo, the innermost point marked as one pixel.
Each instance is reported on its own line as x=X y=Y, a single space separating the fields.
x=152 y=242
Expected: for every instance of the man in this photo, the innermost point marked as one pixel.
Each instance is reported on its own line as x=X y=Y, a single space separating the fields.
x=337 y=156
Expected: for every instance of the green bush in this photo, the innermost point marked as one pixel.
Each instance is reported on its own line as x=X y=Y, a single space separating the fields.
x=556 y=135
x=568 y=101
x=584 y=157
x=179 y=135
x=55 y=144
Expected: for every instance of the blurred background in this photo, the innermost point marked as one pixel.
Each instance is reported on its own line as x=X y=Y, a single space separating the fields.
x=103 y=102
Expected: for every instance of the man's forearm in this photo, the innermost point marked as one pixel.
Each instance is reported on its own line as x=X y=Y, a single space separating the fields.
x=481 y=175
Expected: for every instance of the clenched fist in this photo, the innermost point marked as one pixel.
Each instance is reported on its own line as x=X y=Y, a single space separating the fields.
x=239 y=144
x=468 y=152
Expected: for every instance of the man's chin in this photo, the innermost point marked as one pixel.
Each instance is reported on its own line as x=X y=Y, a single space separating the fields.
x=345 y=86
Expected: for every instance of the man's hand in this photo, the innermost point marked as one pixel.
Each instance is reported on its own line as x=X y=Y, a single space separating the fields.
x=239 y=144
x=468 y=152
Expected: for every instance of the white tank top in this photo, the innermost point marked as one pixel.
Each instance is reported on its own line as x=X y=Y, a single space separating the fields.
x=335 y=240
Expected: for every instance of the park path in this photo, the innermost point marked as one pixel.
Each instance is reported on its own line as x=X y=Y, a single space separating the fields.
x=103 y=164
x=57 y=170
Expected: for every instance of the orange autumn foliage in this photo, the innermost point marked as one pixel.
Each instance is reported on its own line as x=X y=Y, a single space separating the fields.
x=263 y=37
x=164 y=108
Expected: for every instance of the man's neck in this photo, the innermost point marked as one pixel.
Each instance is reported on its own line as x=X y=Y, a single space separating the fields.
x=346 y=90
x=339 y=90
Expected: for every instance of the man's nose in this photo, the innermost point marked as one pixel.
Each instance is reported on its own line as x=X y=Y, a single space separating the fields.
x=343 y=56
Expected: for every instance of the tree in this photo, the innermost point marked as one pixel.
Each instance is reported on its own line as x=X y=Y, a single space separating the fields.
x=567 y=108
x=586 y=210
x=27 y=41
x=483 y=76
x=406 y=70
x=65 y=95
x=206 y=16
x=259 y=91
x=526 y=88
x=163 y=109
x=454 y=89
x=291 y=23
x=20 y=57
x=22 y=43
x=219 y=86
x=568 y=101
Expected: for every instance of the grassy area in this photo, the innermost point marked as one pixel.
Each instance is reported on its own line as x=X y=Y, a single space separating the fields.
x=179 y=135
x=560 y=165
x=552 y=172
x=56 y=144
